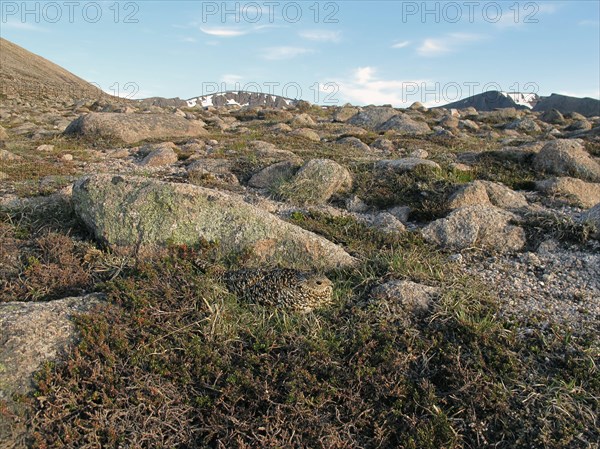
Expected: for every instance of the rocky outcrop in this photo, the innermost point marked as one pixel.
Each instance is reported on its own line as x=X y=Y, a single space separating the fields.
x=139 y=212
x=476 y=226
x=571 y=190
x=567 y=158
x=131 y=128
x=316 y=182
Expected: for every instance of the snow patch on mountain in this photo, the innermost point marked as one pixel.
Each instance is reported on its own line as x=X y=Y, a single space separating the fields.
x=528 y=100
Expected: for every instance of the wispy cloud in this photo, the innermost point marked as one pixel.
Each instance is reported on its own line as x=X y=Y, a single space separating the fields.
x=321 y=35
x=188 y=39
x=280 y=53
x=401 y=44
x=224 y=31
x=12 y=24
x=233 y=31
x=588 y=23
x=447 y=44
x=528 y=13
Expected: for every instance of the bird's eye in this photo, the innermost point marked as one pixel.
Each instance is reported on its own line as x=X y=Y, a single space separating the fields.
x=319 y=282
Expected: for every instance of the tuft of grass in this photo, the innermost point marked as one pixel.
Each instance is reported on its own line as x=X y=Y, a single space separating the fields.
x=426 y=191
x=540 y=226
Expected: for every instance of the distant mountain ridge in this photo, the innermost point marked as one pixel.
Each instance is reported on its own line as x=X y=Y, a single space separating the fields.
x=491 y=100
x=563 y=103
x=241 y=98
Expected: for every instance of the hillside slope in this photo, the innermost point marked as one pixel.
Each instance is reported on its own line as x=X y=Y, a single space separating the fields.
x=27 y=75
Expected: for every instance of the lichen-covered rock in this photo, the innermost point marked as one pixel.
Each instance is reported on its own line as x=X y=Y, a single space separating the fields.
x=274 y=174
x=317 y=181
x=402 y=123
x=163 y=155
x=592 y=217
x=405 y=164
x=476 y=226
x=306 y=133
x=302 y=121
x=572 y=190
x=32 y=333
x=344 y=114
x=503 y=196
x=470 y=194
x=373 y=116
x=7 y=156
x=141 y=212
x=569 y=158
x=407 y=296
x=131 y=128
x=355 y=143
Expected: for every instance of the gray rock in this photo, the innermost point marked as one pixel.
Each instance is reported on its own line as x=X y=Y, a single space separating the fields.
x=131 y=128
x=344 y=114
x=592 y=217
x=306 y=133
x=553 y=117
x=373 y=116
x=470 y=194
x=476 y=226
x=302 y=121
x=401 y=213
x=572 y=190
x=3 y=134
x=405 y=165
x=579 y=125
x=32 y=333
x=355 y=204
x=383 y=144
x=502 y=196
x=163 y=155
x=526 y=124
x=418 y=106
x=317 y=181
x=355 y=143
x=569 y=158
x=274 y=174
x=449 y=121
x=45 y=148
x=266 y=151
x=468 y=124
x=145 y=213
x=403 y=299
x=7 y=156
x=419 y=154
x=402 y=123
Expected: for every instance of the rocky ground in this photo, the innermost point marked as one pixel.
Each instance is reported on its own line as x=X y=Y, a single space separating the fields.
x=463 y=248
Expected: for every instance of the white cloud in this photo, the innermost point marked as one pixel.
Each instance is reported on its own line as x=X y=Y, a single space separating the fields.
x=401 y=44
x=224 y=31
x=321 y=35
x=230 y=78
x=188 y=39
x=446 y=44
x=364 y=87
x=280 y=53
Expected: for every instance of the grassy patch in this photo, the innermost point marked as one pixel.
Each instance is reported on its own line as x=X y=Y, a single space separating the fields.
x=425 y=190
x=173 y=360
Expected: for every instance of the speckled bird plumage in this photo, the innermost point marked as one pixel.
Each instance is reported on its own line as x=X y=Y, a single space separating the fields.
x=282 y=287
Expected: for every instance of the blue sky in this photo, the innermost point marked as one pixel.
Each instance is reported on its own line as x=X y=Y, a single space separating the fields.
x=326 y=52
